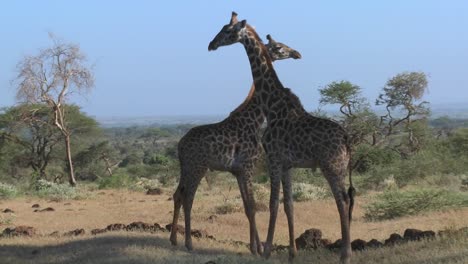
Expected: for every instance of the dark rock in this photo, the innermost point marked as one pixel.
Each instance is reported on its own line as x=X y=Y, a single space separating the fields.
x=279 y=248
x=416 y=235
x=180 y=229
x=154 y=191
x=199 y=233
x=325 y=242
x=76 y=232
x=159 y=227
x=28 y=231
x=394 y=239
x=169 y=199
x=48 y=209
x=35 y=206
x=67 y=204
x=428 y=234
x=358 y=244
x=35 y=252
x=98 y=231
x=335 y=245
x=374 y=243
x=239 y=243
x=210 y=262
x=115 y=227
x=412 y=234
x=139 y=226
x=8 y=210
x=310 y=239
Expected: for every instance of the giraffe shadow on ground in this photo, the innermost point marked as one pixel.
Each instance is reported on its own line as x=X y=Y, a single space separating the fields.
x=133 y=249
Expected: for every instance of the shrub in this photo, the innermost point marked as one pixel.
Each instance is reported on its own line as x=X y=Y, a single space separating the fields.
x=393 y=204
x=56 y=191
x=7 y=191
x=228 y=208
x=143 y=184
x=117 y=180
x=307 y=192
x=261 y=192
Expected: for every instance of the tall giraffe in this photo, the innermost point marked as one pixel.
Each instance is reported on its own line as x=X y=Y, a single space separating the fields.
x=231 y=145
x=293 y=138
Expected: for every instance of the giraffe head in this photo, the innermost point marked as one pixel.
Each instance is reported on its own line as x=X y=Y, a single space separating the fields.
x=280 y=51
x=229 y=34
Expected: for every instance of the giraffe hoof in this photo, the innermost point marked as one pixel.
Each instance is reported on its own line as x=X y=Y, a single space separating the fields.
x=189 y=247
x=292 y=254
x=266 y=252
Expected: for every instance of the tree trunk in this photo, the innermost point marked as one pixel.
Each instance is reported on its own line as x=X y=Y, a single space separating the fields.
x=71 y=171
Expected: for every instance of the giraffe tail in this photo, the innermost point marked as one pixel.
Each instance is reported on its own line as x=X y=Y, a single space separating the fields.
x=351 y=189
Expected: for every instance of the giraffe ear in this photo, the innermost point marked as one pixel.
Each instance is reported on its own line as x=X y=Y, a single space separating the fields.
x=243 y=23
x=270 y=39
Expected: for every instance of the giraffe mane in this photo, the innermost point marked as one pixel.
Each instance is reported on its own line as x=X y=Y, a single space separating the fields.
x=262 y=47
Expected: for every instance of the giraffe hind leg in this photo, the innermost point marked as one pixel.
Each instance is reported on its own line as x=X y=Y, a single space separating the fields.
x=275 y=182
x=342 y=199
x=187 y=202
x=244 y=181
x=288 y=209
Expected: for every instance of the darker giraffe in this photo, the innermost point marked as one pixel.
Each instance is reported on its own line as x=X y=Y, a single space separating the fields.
x=293 y=138
x=231 y=145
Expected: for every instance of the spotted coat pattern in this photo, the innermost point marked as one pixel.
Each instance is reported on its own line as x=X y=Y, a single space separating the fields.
x=293 y=138
x=232 y=145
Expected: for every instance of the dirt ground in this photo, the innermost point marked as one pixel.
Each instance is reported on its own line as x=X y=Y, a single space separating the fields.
x=120 y=206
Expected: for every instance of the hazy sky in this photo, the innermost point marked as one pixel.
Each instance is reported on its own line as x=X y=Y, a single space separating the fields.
x=151 y=57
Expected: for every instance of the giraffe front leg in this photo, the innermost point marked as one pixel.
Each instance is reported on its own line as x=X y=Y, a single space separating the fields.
x=275 y=179
x=249 y=207
x=254 y=237
x=177 y=204
x=289 y=210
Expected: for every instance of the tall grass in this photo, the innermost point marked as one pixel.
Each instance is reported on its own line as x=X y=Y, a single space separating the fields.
x=7 y=191
x=51 y=190
x=397 y=203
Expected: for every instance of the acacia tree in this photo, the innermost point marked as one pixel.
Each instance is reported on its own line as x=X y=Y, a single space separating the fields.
x=50 y=77
x=358 y=118
x=403 y=117
x=402 y=99
x=30 y=129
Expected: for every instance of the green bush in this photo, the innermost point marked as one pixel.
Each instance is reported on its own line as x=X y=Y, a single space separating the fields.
x=7 y=191
x=46 y=189
x=142 y=171
x=228 y=208
x=116 y=181
x=308 y=192
x=397 y=203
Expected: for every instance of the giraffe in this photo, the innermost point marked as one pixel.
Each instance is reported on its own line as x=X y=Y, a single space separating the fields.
x=292 y=138
x=231 y=145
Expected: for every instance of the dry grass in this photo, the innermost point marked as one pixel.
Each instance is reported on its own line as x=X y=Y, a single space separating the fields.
x=120 y=206
x=135 y=248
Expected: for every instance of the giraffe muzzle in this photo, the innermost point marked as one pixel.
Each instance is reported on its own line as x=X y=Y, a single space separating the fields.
x=212 y=46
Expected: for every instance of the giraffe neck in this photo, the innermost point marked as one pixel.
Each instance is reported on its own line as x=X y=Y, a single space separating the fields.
x=249 y=112
x=276 y=102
